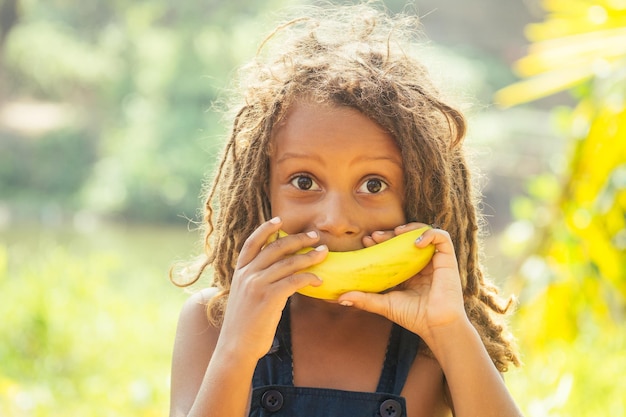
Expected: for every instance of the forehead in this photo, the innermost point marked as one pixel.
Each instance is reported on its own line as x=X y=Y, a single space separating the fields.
x=308 y=120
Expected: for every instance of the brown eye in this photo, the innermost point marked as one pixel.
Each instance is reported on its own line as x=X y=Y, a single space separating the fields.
x=305 y=183
x=373 y=186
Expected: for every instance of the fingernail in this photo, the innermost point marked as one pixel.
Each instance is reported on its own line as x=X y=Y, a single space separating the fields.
x=321 y=248
x=275 y=220
x=378 y=232
x=312 y=234
x=419 y=239
x=347 y=303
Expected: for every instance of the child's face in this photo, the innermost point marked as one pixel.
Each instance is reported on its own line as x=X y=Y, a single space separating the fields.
x=337 y=172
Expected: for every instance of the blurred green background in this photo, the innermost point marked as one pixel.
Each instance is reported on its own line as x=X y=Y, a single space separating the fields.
x=108 y=127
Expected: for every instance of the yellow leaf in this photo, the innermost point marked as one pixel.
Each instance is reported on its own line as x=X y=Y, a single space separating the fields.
x=541 y=86
x=569 y=17
x=573 y=51
x=549 y=316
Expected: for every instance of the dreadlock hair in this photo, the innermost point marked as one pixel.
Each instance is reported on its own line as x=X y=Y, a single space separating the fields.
x=354 y=56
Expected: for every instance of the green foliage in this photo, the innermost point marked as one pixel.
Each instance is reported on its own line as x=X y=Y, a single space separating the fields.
x=55 y=165
x=87 y=332
x=52 y=59
x=140 y=78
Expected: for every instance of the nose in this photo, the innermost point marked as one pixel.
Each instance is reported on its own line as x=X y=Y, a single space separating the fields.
x=337 y=214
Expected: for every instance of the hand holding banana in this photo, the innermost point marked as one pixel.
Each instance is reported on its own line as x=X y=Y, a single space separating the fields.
x=373 y=269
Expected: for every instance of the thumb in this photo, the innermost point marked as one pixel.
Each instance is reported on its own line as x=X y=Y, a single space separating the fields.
x=370 y=302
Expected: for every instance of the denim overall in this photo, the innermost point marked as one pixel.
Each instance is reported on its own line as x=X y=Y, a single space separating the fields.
x=275 y=395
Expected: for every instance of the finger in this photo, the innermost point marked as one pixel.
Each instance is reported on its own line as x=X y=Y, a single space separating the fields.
x=292 y=265
x=370 y=302
x=255 y=242
x=444 y=256
x=291 y=244
x=408 y=227
x=287 y=250
x=382 y=235
x=277 y=249
x=368 y=241
x=290 y=284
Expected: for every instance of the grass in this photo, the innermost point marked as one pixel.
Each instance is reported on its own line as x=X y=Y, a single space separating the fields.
x=88 y=322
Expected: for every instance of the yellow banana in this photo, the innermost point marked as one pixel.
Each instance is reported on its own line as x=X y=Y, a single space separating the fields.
x=373 y=269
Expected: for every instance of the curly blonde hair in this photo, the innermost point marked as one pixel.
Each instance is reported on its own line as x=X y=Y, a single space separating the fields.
x=354 y=56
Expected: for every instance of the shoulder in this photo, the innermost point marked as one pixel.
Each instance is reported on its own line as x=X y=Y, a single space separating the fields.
x=198 y=300
x=196 y=336
x=195 y=342
x=193 y=314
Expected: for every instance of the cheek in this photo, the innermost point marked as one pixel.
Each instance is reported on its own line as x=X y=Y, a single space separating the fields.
x=400 y=212
x=398 y=209
x=272 y=192
x=280 y=206
x=271 y=186
x=266 y=203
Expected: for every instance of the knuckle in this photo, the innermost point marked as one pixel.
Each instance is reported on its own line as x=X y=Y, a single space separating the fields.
x=297 y=281
x=292 y=279
x=280 y=244
x=292 y=262
x=243 y=280
x=247 y=245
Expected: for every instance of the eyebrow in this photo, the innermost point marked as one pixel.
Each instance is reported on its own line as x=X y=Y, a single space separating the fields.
x=383 y=158
x=294 y=155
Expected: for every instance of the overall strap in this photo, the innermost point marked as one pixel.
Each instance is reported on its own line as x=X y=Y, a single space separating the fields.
x=401 y=351
x=277 y=367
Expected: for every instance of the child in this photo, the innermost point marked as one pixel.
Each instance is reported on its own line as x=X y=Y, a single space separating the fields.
x=341 y=141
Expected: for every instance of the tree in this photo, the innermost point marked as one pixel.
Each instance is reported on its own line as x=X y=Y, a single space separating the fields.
x=128 y=87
